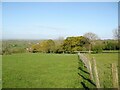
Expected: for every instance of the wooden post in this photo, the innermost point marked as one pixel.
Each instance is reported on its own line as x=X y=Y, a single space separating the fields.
x=115 y=76
x=90 y=68
x=96 y=73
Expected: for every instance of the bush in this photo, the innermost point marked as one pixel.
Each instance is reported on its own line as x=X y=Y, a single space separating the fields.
x=6 y=52
x=97 y=49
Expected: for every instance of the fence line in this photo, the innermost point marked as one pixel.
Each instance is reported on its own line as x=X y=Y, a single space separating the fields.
x=90 y=68
x=87 y=63
x=115 y=75
x=96 y=73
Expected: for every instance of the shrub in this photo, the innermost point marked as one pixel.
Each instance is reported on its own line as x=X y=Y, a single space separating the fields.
x=97 y=49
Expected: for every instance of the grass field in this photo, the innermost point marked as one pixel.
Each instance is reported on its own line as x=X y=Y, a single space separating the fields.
x=104 y=61
x=52 y=70
x=40 y=71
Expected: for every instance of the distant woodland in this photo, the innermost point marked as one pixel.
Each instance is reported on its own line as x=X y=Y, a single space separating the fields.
x=88 y=42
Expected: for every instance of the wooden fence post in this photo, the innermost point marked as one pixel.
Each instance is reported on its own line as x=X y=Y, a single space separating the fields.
x=96 y=73
x=115 y=76
x=87 y=63
x=90 y=67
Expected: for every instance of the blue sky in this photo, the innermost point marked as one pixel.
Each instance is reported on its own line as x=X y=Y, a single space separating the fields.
x=50 y=20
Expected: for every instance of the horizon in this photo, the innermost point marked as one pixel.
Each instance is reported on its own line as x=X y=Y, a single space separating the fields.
x=46 y=39
x=51 y=20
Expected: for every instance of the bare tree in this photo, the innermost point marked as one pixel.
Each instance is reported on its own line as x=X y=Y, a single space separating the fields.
x=92 y=37
x=116 y=33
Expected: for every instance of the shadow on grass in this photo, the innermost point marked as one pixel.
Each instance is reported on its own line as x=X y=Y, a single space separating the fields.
x=83 y=70
x=87 y=79
x=85 y=87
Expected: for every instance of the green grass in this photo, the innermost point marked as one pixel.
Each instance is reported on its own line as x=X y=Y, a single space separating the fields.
x=104 y=61
x=40 y=71
x=85 y=76
x=53 y=70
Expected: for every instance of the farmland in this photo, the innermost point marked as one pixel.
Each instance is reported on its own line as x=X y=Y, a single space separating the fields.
x=35 y=70
x=40 y=70
x=59 y=45
x=104 y=62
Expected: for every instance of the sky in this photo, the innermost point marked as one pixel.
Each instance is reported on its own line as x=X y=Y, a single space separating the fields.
x=51 y=20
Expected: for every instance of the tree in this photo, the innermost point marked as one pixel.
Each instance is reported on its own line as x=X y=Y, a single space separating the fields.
x=46 y=46
x=35 y=48
x=58 y=45
x=72 y=44
x=6 y=48
x=116 y=33
x=50 y=46
x=92 y=37
x=111 y=45
x=97 y=48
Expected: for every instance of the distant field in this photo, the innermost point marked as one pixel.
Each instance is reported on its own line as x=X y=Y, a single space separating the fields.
x=40 y=71
x=104 y=61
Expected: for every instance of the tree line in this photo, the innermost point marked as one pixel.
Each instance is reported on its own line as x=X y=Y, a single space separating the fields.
x=73 y=44
x=87 y=42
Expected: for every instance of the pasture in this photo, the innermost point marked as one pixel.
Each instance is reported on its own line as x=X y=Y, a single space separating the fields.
x=40 y=71
x=104 y=61
x=35 y=70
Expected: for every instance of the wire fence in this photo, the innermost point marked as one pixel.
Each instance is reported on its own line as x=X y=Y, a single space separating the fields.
x=91 y=66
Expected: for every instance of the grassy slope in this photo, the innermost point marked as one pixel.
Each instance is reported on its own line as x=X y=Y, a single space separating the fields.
x=104 y=62
x=40 y=70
